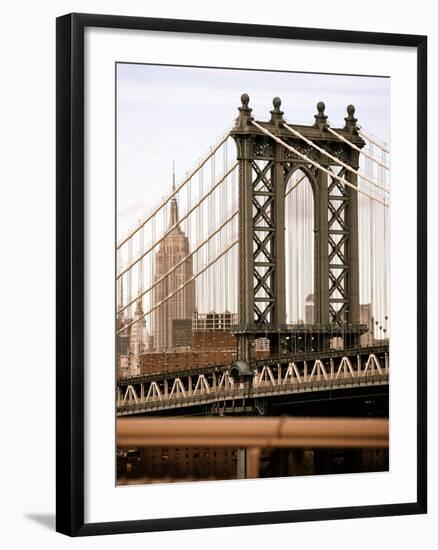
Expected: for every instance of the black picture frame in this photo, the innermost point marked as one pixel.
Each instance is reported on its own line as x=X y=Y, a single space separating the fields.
x=70 y=273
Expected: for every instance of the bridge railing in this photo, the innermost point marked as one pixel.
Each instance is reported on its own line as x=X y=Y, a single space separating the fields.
x=131 y=403
x=253 y=434
x=378 y=346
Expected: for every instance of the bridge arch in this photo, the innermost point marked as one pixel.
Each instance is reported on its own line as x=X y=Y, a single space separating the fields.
x=300 y=191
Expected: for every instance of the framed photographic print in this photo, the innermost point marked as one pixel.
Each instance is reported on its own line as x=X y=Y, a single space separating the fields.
x=241 y=274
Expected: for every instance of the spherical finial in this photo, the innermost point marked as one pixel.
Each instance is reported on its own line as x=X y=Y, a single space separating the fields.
x=244 y=110
x=276 y=113
x=245 y=100
x=276 y=102
x=320 y=117
x=350 y=120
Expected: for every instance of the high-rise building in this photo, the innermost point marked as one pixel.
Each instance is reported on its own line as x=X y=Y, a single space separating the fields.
x=131 y=342
x=213 y=321
x=366 y=318
x=138 y=339
x=122 y=354
x=181 y=303
x=309 y=310
x=181 y=333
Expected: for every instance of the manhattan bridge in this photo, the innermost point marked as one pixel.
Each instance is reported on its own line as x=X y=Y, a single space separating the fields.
x=259 y=284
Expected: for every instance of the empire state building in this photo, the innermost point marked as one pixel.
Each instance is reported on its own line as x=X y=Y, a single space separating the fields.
x=175 y=312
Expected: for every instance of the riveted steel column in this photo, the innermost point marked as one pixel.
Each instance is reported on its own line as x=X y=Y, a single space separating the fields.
x=246 y=259
x=353 y=225
x=321 y=262
x=353 y=252
x=321 y=275
x=279 y=314
x=243 y=138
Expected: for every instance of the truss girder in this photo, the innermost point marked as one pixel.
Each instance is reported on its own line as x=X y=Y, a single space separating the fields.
x=338 y=236
x=356 y=369
x=264 y=233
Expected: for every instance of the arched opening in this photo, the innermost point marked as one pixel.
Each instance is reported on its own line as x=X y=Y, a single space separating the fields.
x=299 y=248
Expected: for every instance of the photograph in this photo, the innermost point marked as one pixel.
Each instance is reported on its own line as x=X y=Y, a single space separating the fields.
x=252 y=273
x=216 y=222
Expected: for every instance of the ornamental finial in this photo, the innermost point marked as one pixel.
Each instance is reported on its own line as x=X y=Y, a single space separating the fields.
x=321 y=117
x=244 y=113
x=350 y=120
x=276 y=113
x=244 y=98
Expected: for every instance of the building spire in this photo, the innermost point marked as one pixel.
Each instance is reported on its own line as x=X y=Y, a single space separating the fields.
x=139 y=308
x=173 y=203
x=121 y=296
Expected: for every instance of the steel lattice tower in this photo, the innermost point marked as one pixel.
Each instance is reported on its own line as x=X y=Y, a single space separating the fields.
x=265 y=166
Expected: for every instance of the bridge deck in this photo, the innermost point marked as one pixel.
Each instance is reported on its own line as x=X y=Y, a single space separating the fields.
x=271 y=381
x=247 y=394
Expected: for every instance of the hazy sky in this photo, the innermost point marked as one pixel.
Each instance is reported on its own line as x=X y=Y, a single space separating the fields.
x=177 y=113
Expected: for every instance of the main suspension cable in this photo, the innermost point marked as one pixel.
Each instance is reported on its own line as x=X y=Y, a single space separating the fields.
x=356 y=148
x=331 y=157
x=316 y=164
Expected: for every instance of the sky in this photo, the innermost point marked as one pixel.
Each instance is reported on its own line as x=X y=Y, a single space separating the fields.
x=168 y=113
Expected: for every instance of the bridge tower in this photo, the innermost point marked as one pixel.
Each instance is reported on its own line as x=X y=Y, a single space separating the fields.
x=265 y=166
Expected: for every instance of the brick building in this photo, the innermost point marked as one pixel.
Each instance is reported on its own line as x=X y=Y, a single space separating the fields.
x=207 y=349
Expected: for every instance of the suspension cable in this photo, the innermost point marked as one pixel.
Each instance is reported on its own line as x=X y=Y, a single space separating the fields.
x=295 y=185
x=174 y=267
x=175 y=225
x=316 y=164
x=356 y=148
x=174 y=192
x=330 y=156
x=181 y=287
x=372 y=140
